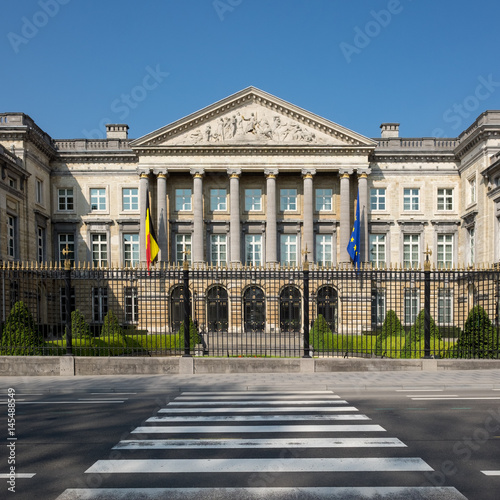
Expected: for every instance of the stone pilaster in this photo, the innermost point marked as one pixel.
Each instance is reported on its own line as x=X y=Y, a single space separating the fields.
x=363 y=213
x=198 y=246
x=308 y=227
x=143 y=192
x=345 y=215
x=271 y=217
x=234 y=221
x=162 y=231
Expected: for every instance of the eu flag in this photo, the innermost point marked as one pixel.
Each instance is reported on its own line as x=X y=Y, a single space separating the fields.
x=353 y=247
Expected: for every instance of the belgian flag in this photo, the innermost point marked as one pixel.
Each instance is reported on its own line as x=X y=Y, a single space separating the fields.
x=151 y=243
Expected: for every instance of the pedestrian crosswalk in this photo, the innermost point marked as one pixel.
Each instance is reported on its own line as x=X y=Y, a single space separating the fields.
x=266 y=444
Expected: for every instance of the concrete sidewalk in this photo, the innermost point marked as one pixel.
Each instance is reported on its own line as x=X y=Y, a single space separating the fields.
x=336 y=381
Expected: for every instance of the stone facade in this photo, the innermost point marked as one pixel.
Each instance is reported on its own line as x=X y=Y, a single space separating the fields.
x=255 y=180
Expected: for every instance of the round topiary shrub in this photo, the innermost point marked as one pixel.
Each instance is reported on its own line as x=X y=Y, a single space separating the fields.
x=20 y=336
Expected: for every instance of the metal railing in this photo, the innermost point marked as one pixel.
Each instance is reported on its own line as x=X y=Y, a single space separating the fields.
x=242 y=311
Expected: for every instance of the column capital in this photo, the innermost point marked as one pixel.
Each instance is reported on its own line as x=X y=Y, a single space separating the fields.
x=161 y=173
x=234 y=173
x=345 y=173
x=144 y=175
x=307 y=173
x=363 y=174
x=271 y=173
x=197 y=172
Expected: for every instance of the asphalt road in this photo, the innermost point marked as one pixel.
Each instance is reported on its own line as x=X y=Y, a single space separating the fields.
x=310 y=436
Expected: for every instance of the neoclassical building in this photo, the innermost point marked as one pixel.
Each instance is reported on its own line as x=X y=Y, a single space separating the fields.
x=250 y=179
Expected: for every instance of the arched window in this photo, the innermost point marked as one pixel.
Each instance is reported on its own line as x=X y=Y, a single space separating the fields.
x=217 y=309
x=254 y=309
x=177 y=308
x=327 y=305
x=290 y=309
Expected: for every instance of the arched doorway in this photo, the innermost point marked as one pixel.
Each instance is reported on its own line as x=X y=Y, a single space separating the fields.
x=217 y=309
x=327 y=305
x=254 y=309
x=290 y=309
x=177 y=308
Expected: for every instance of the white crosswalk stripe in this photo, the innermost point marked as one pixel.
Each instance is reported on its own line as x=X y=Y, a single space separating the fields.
x=214 y=424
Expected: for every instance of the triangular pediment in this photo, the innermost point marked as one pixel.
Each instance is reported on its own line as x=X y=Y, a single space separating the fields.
x=252 y=117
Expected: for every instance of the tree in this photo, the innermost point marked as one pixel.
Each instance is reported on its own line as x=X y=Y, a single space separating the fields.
x=391 y=329
x=20 y=335
x=320 y=334
x=479 y=338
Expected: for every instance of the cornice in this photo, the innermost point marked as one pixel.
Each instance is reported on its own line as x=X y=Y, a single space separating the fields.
x=481 y=134
x=108 y=157
x=252 y=150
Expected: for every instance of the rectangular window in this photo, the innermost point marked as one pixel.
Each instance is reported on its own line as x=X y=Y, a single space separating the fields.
x=100 y=250
x=182 y=248
x=12 y=236
x=445 y=251
x=472 y=190
x=183 y=200
x=99 y=304
x=130 y=199
x=445 y=199
x=412 y=305
x=377 y=250
x=377 y=199
x=324 y=249
x=288 y=200
x=39 y=191
x=253 y=249
x=98 y=199
x=411 y=250
x=445 y=307
x=411 y=199
x=253 y=200
x=130 y=250
x=12 y=183
x=378 y=306
x=472 y=246
x=131 y=305
x=66 y=242
x=218 y=249
x=65 y=199
x=324 y=200
x=288 y=249
x=40 y=244
x=218 y=200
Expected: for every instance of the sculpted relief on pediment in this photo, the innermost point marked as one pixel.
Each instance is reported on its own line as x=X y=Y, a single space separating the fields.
x=253 y=125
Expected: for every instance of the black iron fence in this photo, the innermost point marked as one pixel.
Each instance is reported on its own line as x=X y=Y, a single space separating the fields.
x=240 y=311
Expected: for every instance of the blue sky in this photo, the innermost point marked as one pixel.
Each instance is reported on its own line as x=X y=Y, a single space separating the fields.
x=73 y=65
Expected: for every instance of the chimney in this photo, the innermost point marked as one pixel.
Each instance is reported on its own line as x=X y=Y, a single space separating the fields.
x=116 y=131
x=389 y=130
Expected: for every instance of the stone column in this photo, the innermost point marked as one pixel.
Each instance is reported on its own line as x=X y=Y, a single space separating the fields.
x=308 y=227
x=345 y=216
x=143 y=192
x=198 y=245
x=234 y=221
x=162 y=231
x=271 y=217
x=363 y=214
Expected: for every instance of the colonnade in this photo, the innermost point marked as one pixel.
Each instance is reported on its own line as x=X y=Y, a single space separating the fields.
x=271 y=214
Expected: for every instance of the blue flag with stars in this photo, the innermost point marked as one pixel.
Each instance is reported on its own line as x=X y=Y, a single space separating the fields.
x=353 y=247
